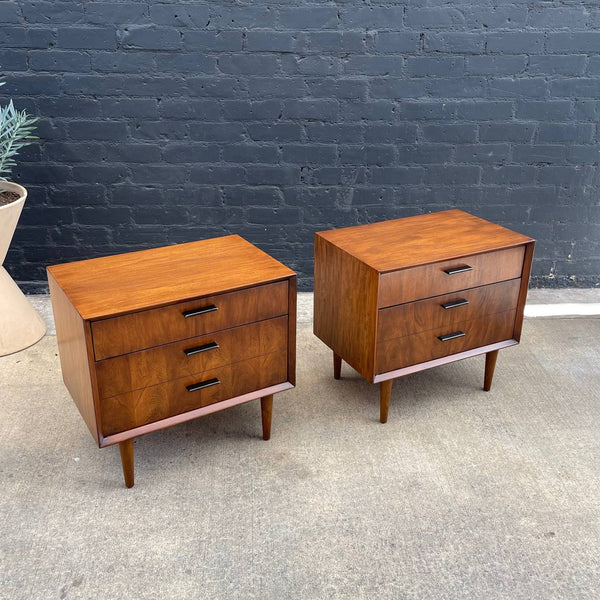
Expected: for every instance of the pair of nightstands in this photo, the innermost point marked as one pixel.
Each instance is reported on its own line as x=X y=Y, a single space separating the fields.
x=154 y=338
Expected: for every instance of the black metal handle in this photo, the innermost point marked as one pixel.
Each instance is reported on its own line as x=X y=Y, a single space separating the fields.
x=198 y=349
x=454 y=304
x=199 y=311
x=202 y=384
x=455 y=270
x=451 y=336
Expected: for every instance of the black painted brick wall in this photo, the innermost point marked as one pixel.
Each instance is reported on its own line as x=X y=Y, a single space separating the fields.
x=166 y=122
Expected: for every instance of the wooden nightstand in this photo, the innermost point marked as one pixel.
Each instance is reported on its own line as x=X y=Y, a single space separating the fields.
x=154 y=338
x=401 y=296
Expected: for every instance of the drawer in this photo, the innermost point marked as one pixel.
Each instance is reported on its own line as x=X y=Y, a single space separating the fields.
x=153 y=403
x=145 y=329
x=413 y=349
x=185 y=358
x=447 y=310
x=407 y=285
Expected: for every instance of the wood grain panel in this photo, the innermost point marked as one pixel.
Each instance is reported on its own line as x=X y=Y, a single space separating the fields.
x=414 y=317
x=406 y=285
x=345 y=305
x=422 y=239
x=140 y=407
x=144 y=329
x=422 y=347
x=75 y=351
x=149 y=367
x=113 y=285
x=523 y=291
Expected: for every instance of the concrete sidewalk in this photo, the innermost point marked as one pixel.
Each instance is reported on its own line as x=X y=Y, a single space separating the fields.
x=462 y=494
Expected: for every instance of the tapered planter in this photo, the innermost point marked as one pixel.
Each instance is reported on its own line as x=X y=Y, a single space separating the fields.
x=20 y=325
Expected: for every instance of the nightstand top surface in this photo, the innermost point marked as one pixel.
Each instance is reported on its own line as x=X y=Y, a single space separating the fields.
x=122 y=283
x=422 y=239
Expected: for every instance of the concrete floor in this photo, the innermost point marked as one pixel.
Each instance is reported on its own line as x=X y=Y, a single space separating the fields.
x=462 y=494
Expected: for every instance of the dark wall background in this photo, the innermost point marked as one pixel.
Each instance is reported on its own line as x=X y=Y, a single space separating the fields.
x=166 y=122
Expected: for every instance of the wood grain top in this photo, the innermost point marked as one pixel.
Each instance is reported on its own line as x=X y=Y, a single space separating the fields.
x=423 y=239
x=113 y=285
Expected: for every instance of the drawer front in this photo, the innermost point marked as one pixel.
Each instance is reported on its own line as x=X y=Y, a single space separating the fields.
x=408 y=285
x=447 y=310
x=185 y=358
x=145 y=329
x=150 y=404
x=414 y=349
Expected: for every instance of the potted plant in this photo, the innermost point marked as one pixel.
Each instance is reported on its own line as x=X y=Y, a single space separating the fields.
x=20 y=325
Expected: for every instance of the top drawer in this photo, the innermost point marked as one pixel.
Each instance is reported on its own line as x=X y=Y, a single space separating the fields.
x=144 y=329
x=407 y=285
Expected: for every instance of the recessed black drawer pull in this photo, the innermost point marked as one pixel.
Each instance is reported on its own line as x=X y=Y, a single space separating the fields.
x=455 y=270
x=198 y=349
x=199 y=311
x=202 y=384
x=451 y=336
x=454 y=304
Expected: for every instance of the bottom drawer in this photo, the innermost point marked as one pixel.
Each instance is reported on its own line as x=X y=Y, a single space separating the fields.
x=153 y=403
x=414 y=349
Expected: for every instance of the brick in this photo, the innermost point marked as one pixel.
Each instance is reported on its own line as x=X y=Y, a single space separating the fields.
x=188 y=62
x=146 y=108
x=277 y=87
x=65 y=61
x=248 y=64
x=244 y=110
x=392 y=42
x=583 y=154
x=172 y=108
x=455 y=42
x=159 y=174
x=581 y=87
x=101 y=13
x=331 y=87
x=395 y=87
x=272 y=175
x=484 y=111
x=367 y=155
x=180 y=15
x=159 y=130
x=562 y=175
x=396 y=175
x=510 y=16
x=19 y=37
x=483 y=153
x=372 y=17
x=536 y=154
x=452 y=174
x=558 y=18
x=150 y=37
x=508 y=174
x=425 y=111
x=311 y=16
x=190 y=152
x=103 y=174
x=9 y=12
x=279 y=132
x=216 y=132
x=433 y=18
x=339 y=133
x=545 y=110
x=429 y=66
x=509 y=132
x=579 y=42
x=373 y=110
x=305 y=154
x=272 y=41
x=27 y=84
x=244 y=17
x=495 y=65
x=212 y=41
x=557 y=64
x=405 y=132
x=216 y=87
x=311 y=65
x=13 y=60
x=252 y=196
x=335 y=42
x=459 y=87
x=318 y=110
x=459 y=133
x=120 y=62
x=566 y=132
x=372 y=65
x=518 y=88
x=424 y=153
x=89 y=38
x=274 y=216
x=250 y=153
x=593 y=67
x=51 y=13
x=515 y=42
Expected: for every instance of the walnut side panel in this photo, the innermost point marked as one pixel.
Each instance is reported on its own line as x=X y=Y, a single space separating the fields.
x=292 y=299
x=345 y=306
x=523 y=291
x=74 y=348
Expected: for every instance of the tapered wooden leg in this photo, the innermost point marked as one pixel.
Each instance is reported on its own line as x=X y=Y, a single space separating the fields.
x=385 y=391
x=266 y=411
x=126 y=449
x=490 y=365
x=337 y=366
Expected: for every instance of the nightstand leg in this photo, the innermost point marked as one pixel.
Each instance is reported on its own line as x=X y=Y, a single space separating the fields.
x=126 y=449
x=266 y=411
x=337 y=366
x=385 y=391
x=490 y=365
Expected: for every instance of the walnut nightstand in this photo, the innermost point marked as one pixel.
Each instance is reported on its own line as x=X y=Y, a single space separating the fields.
x=154 y=338
x=400 y=296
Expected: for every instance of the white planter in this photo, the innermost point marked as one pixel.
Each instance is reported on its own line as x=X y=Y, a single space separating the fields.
x=20 y=325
